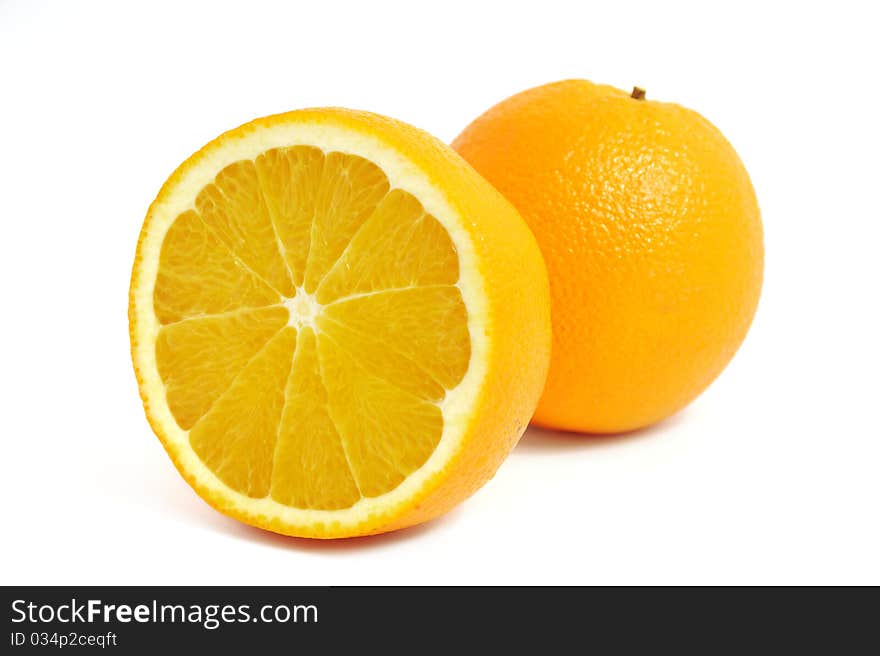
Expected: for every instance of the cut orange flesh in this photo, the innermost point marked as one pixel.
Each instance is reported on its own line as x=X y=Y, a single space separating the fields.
x=291 y=259
x=312 y=324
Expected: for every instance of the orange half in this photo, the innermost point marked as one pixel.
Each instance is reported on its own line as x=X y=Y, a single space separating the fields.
x=338 y=327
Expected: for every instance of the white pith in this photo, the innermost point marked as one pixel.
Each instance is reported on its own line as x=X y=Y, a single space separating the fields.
x=303 y=309
x=402 y=174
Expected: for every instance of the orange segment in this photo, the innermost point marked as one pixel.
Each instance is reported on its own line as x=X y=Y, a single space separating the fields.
x=199 y=275
x=426 y=324
x=287 y=177
x=388 y=433
x=236 y=439
x=347 y=193
x=380 y=359
x=199 y=358
x=399 y=246
x=311 y=467
x=235 y=210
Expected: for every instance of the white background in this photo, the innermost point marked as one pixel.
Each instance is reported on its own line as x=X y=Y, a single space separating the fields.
x=772 y=476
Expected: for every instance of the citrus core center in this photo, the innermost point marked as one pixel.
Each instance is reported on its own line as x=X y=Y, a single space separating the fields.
x=303 y=309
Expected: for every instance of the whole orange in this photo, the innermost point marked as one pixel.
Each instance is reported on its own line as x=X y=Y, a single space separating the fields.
x=652 y=236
